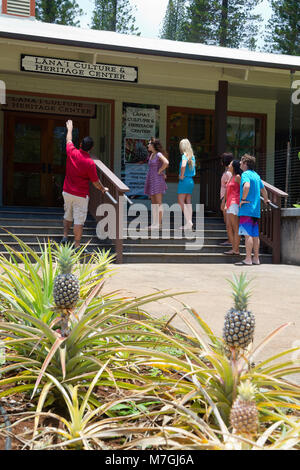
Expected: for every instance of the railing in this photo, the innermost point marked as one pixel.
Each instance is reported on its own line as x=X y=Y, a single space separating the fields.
x=210 y=177
x=117 y=190
x=270 y=221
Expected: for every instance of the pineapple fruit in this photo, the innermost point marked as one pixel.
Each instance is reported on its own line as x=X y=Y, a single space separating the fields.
x=239 y=323
x=244 y=414
x=66 y=284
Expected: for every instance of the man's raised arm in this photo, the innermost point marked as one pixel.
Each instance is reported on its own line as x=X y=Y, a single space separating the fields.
x=69 y=125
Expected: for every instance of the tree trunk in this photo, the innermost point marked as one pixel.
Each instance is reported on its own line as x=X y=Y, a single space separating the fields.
x=224 y=24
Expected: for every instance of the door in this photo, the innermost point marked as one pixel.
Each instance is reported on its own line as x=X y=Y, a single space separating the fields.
x=56 y=163
x=35 y=158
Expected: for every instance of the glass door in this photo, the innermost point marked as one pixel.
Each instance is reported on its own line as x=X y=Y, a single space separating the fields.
x=193 y=124
x=26 y=163
x=56 y=164
x=35 y=158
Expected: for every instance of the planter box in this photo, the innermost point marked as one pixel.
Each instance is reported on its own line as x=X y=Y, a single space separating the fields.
x=290 y=236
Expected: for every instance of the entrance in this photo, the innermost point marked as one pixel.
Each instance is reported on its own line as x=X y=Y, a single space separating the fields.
x=35 y=158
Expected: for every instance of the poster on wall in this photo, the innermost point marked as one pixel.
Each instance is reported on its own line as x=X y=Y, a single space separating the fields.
x=140 y=123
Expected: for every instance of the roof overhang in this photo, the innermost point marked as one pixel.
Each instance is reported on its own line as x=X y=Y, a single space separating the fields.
x=38 y=32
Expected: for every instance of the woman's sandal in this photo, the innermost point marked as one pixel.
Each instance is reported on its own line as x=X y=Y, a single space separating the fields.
x=242 y=263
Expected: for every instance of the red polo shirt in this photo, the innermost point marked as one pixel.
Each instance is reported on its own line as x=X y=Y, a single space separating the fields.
x=80 y=170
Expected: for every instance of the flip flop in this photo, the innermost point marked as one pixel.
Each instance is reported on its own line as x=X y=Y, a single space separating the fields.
x=242 y=263
x=256 y=264
x=231 y=254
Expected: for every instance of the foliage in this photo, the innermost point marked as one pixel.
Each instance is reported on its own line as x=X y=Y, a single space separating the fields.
x=227 y=23
x=283 y=33
x=32 y=333
x=58 y=11
x=114 y=15
x=27 y=278
x=174 y=21
x=121 y=379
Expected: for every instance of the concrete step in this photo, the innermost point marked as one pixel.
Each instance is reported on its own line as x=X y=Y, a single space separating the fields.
x=173 y=248
x=36 y=246
x=38 y=222
x=188 y=258
x=39 y=230
x=177 y=241
x=33 y=238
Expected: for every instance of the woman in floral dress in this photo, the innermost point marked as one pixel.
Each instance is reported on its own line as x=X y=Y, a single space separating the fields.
x=155 y=185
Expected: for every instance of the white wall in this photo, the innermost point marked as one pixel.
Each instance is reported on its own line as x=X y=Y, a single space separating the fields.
x=153 y=96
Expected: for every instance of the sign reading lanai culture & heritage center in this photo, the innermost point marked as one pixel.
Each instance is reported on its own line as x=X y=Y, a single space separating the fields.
x=75 y=68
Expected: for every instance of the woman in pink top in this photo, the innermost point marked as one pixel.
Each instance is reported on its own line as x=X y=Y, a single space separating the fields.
x=226 y=160
x=232 y=201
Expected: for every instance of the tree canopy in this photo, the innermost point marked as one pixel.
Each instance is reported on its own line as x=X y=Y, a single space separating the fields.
x=64 y=12
x=114 y=15
x=283 y=33
x=174 y=21
x=228 y=23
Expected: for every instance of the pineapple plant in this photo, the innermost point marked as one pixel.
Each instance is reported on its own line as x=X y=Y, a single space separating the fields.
x=239 y=322
x=66 y=284
x=244 y=414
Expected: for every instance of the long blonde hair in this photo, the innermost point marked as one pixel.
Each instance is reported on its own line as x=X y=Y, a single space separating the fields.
x=186 y=148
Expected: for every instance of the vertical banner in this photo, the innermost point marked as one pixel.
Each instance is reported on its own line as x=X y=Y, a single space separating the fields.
x=140 y=123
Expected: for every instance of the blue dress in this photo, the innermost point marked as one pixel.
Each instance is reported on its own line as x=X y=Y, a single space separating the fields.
x=186 y=185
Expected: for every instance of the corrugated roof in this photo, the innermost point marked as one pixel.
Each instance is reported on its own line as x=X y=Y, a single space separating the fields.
x=33 y=30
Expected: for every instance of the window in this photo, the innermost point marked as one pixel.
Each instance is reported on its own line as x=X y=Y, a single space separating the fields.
x=245 y=134
x=193 y=124
x=18 y=7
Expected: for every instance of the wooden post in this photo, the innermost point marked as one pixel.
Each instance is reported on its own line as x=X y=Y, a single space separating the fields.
x=221 y=105
x=119 y=229
x=276 y=252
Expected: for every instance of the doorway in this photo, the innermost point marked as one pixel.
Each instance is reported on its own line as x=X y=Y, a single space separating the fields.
x=35 y=158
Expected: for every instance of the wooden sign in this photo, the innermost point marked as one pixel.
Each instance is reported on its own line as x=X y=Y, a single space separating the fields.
x=35 y=104
x=75 y=68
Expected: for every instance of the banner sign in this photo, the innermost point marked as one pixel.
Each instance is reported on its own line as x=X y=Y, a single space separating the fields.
x=135 y=176
x=76 y=68
x=34 y=104
x=140 y=123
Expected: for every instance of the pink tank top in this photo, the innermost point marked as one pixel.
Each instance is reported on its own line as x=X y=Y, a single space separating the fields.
x=233 y=192
x=224 y=180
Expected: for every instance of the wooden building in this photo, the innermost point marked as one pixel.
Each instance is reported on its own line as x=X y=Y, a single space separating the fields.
x=121 y=90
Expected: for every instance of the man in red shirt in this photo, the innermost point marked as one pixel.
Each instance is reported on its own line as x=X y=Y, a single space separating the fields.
x=80 y=170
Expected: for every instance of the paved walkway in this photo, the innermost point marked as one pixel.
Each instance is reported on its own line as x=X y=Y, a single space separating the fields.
x=275 y=299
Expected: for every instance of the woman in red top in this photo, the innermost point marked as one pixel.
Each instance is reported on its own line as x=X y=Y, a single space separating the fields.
x=232 y=198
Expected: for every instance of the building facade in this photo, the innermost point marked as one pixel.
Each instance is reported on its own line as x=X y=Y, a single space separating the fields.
x=122 y=90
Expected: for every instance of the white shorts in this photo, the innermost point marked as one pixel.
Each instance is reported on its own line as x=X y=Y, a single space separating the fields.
x=233 y=209
x=76 y=208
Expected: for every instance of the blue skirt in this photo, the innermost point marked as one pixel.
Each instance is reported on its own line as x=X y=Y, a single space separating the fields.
x=186 y=185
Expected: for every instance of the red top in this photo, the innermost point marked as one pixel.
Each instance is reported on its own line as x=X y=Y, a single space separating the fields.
x=80 y=170
x=232 y=192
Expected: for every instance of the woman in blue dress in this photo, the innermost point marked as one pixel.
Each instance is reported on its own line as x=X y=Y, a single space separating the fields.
x=187 y=171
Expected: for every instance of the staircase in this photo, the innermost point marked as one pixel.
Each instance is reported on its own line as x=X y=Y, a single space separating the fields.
x=37 y=225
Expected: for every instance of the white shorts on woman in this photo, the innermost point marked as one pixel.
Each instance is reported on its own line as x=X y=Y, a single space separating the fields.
x=233 y=209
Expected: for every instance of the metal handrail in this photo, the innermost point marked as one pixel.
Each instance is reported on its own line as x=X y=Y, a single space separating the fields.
x=270 y=203
x=107 y=193
x=127 y=199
